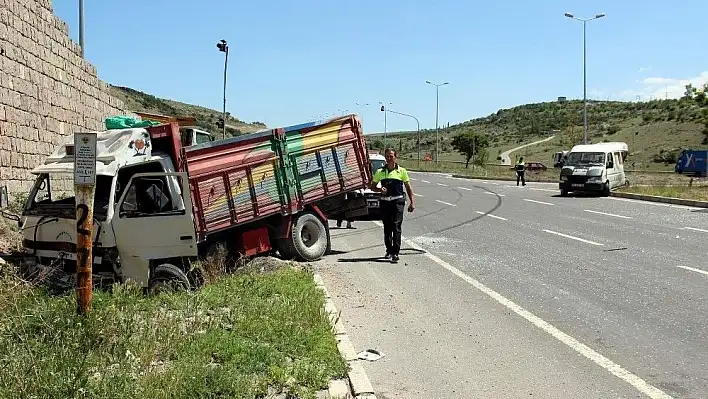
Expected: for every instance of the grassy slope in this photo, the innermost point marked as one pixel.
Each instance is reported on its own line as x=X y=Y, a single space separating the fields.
x=654 y=130
x=206 y=118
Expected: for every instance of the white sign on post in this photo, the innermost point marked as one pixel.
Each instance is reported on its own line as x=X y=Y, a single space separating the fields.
x=85 y=159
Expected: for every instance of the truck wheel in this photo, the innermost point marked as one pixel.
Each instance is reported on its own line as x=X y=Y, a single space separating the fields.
x=167 y=278
x=564 y=193
x=308 y=238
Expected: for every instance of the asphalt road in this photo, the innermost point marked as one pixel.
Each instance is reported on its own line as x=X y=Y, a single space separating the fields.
x=506 y=291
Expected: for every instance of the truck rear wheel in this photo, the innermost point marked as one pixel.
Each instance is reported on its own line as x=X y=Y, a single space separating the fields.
x=168 y=278
x=308 y=238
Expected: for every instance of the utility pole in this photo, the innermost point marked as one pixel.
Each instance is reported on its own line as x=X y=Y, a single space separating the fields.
x=81 y=27
x=585 y=86
x=437 y=108
x=224 y=47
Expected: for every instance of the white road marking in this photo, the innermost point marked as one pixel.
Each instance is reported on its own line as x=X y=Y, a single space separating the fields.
x=465 y=188
x=614 y=368
x=694 y=270
x=695 y=229
x=440 y=184
x=544 y=189
x=693 y=208
x=573 y=237
x=538 y=202
x=491 y=193
x=446 y=203
x=425 y=181
x=496 y=184
x=413 y=179
x=491 y=216
x=608 y=214
x=418 y=195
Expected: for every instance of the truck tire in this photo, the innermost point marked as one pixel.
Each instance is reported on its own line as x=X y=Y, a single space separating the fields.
x=167 y=278
x=606 y=189
x=308 y=238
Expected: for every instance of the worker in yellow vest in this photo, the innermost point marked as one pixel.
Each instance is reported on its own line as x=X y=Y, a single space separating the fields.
x=520 y=169
x=393 y=179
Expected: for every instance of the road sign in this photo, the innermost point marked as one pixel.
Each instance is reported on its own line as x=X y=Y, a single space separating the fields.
x=85 y=159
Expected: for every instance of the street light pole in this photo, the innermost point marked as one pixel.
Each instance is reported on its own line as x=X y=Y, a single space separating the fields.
x=416 y=121
x=224 y=47
x=383 y=107
x=81 y=27
x=585 y=85
x=437 y=107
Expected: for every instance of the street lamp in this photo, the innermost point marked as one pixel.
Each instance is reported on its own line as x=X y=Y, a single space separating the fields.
x=224 y=48
x=382 y=110
x=416 y=121
x=81 y=27
x=585 y=85
x=437 y=107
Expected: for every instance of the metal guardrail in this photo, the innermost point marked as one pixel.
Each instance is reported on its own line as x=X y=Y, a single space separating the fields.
x=498 y=164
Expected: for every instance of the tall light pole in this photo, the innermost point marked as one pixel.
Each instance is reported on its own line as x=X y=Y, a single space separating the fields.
x=585 y=85
x=383 y=107
x=437 y=107
x=416 y=121
x=81 y=26
x=224 y=48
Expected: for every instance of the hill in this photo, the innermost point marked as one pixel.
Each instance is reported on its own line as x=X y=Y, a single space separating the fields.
x=655 y=131
x=206 y=118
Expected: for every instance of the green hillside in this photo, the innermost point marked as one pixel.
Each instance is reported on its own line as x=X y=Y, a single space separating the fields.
x=206 y=118
x=655 y=131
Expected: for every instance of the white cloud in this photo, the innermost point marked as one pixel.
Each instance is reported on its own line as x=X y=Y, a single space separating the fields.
x=645 y=69
x=660 y=87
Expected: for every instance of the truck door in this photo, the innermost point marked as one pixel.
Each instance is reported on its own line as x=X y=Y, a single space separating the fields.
x=153 y=222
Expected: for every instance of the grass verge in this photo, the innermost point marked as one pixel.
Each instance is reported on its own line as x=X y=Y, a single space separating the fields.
x=244 y=336
x=699 y=193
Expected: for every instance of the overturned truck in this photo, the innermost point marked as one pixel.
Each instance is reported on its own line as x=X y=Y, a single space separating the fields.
x=159 y=206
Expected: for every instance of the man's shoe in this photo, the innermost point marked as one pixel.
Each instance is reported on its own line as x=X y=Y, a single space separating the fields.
x=394 y=259
x=387 y=256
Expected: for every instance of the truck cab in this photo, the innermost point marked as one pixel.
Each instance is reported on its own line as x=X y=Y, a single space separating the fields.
x=597 y=168
x=194 y=136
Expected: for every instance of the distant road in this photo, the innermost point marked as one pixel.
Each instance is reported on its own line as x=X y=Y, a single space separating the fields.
x=521 y=293
x=505 y=160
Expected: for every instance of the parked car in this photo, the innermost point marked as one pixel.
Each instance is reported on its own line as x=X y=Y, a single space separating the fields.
x=532 y=166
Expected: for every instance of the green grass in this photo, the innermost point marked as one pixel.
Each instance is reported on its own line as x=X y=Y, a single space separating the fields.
x=698 y=191
x=206 y=118
x=233 y=338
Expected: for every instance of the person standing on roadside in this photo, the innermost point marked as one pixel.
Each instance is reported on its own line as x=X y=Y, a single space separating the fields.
x=393 y=179
x=520 y=169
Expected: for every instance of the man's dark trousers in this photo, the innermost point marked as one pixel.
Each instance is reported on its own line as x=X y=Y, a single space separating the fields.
x=392 y=218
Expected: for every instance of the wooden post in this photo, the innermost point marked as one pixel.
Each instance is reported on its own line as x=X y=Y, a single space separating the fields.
x=85 y=185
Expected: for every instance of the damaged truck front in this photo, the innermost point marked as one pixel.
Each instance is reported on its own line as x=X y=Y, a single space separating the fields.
x=159 y=206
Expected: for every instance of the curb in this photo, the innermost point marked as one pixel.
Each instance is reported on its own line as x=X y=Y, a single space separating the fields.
x=358 y=384
x=656 y=198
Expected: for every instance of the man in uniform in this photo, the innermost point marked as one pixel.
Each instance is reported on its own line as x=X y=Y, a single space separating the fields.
x=520 y=169
x=393 y=179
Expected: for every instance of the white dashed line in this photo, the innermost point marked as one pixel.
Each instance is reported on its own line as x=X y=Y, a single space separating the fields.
x=446 y=203
x=695 y=229
x=544 y=189
x=608 y=214
x=573 y=237
x=425 y=181
x=694 y=270
x=418 y=195
x=465 y=188
x=537 y=202
x=440 y=184
x=491 y=193
x=491 y=216
x=607 y=364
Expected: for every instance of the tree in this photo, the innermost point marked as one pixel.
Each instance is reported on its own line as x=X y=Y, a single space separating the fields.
x=700 y=98
x=470 y=144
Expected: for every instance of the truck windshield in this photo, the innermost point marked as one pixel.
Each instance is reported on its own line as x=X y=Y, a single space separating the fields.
x=53 y=195
x=585 y=158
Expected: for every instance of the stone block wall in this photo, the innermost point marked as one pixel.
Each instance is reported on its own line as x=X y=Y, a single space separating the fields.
x=47 y=90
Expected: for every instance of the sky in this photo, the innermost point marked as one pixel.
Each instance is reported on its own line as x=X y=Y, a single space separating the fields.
x=292 y=61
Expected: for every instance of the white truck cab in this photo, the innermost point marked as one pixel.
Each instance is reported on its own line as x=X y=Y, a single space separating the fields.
x=134 y=183
x=594 y=168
